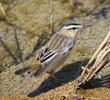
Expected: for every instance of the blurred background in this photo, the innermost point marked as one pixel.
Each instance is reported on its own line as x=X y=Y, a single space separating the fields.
x=27 y=26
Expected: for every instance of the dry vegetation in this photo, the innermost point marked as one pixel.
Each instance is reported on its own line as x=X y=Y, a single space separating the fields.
x=32 y=22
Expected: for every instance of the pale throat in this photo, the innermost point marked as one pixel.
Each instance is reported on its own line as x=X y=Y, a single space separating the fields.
x=71 y=34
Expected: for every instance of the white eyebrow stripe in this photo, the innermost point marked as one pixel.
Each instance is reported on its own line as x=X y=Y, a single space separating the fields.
x=71 y=26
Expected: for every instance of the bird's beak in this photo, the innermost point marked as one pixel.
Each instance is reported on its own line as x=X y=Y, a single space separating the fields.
x=85 y=26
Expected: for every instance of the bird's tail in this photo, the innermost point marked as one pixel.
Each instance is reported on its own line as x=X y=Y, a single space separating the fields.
x=31 y=70
x=22 y=70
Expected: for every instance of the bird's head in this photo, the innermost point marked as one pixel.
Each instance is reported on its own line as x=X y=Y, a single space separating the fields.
x=72 y=28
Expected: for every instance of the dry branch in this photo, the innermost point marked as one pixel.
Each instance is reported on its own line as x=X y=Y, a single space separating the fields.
x=101 y=60
x=101 y=57
x=96 y=53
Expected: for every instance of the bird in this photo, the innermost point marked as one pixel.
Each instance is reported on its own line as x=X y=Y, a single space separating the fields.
x=55 y=51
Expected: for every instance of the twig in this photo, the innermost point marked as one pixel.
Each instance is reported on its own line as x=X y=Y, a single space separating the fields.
x=102 y=56
x=52 y=18
x=101 y=60
x=18 y=46
x=95 y=54
x=3 y=12
x=8 y=50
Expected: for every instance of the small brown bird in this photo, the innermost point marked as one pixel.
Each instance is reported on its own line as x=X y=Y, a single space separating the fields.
x=54 y=53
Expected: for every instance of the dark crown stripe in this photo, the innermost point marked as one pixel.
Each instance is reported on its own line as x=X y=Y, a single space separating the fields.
x=72 y=23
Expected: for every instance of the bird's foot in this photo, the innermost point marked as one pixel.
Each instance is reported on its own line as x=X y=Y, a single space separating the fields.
x=59 y=81
x=55 y=78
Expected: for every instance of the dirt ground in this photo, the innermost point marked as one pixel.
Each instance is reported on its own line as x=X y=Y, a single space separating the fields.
x=29 y=27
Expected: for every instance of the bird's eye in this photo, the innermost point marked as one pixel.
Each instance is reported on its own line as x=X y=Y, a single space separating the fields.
x=74 y=28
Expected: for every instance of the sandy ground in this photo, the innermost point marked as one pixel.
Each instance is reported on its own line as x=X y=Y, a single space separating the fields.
x=30 y=30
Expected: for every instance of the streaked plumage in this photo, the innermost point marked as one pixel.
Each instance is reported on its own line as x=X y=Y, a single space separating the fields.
x=55 y=51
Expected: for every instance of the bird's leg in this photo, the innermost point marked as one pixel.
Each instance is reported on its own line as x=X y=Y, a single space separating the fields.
x=51 y=73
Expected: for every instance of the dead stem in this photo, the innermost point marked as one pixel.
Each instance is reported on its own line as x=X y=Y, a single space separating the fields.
x=101 y=57
x=3 y=12
x=52 y=17
x=101 y=60
x=8 y=50
x=95 y=54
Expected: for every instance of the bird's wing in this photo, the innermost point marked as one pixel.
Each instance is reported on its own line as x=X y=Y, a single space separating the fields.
x=55 y=48
x=57 y=45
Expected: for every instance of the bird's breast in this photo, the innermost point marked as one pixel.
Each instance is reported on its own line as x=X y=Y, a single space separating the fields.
x=59 y=41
